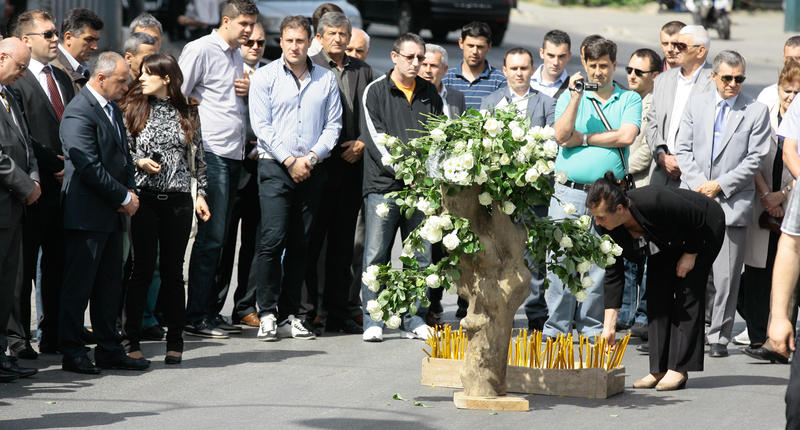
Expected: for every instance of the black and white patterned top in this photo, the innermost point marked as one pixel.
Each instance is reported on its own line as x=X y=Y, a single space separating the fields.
x=163 y=134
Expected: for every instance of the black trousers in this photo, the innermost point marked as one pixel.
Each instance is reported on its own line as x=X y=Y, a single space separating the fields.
x=287 y=213
x=246 y=210
x=753 y=300
x=10 y=275
x=159 y=231
x=676 y=308
x=92 y=274
x=336 y=225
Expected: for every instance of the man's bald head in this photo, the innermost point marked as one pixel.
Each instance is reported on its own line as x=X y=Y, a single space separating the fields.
x=14 y=59
x=359 y=44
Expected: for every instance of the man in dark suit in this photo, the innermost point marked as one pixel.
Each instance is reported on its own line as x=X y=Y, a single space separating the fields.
x=19 y=187
x=43 y=93
x=341 y=200
x=96 y=196
x=80 y=33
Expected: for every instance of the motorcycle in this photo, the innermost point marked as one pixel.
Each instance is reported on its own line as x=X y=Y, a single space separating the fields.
x=712 y=14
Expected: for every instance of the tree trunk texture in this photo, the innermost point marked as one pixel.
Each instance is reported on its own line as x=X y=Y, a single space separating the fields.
x=495 y=282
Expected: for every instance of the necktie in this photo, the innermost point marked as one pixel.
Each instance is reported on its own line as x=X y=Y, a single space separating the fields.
x=110 y=112
x=55 y=96
x=719 y=128
x=83 y=71
x=5 y=100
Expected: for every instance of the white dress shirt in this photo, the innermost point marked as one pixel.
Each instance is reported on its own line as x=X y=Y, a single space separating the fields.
x=682 y=91
x=538 y=83
x=36 y=69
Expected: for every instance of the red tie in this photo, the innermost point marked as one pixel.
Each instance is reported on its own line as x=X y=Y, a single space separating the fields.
x=55 y=96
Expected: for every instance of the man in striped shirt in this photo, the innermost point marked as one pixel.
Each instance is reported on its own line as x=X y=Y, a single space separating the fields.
x=475 y=77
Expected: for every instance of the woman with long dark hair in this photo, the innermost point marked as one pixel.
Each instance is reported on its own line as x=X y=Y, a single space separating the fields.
x=164 y=139
x=680 y=232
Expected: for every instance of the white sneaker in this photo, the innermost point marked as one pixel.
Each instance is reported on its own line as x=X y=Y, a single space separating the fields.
x=267 y=328
x=294 y=328
x=742 y=338
x=373 y=334
x=422 y=332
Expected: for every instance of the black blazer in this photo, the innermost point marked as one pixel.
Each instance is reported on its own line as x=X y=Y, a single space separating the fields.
x=43 y=126
x=18 y=169
x=675 y=221
x=99 y=168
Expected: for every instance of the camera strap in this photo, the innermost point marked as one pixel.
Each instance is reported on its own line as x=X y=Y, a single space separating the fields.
x=628 y=177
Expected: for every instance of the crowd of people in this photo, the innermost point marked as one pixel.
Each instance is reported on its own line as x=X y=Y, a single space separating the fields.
x=111 y=162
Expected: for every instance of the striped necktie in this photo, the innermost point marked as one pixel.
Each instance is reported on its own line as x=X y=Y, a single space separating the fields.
x=5 y=100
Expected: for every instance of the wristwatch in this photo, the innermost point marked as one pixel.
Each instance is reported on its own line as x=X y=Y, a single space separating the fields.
x=313 y=159
x=585 y=142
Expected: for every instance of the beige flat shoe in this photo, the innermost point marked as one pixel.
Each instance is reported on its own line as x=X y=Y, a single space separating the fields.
x=672 y=384
x=649 y=381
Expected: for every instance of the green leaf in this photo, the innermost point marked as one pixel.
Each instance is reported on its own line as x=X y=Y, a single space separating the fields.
x=397 y=396
x=417 y=403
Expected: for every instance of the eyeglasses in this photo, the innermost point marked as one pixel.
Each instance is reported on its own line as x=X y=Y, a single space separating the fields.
x=49 y=34
x=410 y=58
x=259 y=43
x=728 y=78
x=20 y=67
x=639 y=73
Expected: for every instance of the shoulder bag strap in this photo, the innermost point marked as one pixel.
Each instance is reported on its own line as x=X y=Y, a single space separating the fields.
x=599 y=111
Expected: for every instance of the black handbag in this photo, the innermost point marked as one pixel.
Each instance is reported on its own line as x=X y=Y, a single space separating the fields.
x=627 y=182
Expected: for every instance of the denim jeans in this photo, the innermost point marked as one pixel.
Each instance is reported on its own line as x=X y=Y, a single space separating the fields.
x=379 y=237
x=564 y=309
x=223 y=180
x=634 y=305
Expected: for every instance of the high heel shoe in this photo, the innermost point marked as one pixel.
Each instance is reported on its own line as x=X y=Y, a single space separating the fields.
x=172 y=359
x=672 y=385
x=649 y=381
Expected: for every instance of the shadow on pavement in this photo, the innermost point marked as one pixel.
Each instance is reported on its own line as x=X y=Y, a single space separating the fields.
x=71 y=420
x=362 y=423
x=627 y=400
x=734 y=381
x=236 y=358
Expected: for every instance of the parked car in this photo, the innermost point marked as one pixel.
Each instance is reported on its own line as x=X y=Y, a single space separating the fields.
x=438 y=16
x=273 y=11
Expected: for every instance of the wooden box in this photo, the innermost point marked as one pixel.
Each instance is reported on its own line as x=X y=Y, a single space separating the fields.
x=588 y=383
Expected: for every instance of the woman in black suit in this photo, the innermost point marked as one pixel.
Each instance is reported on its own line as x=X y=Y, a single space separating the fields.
x=680 y=232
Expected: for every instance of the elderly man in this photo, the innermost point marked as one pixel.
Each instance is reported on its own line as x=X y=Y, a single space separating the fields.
x=20 y=178
x=433 y=69
x=146 y=23
x=80 y=32
x=358 y=47
x=138 y=46
x=724 y=136
x=43 y=93
x=670 y=96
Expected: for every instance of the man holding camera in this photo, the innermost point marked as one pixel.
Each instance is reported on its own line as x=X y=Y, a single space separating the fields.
x=588 y=150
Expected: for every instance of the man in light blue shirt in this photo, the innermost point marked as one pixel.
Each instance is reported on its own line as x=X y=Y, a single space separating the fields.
x=213 y=74
x=551 y=78
x=296 y=113
x=587 y=151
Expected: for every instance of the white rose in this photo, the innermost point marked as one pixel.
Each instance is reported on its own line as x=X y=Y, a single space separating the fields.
x=373 y=306
x=393 y=321
x=550 y=148
x=547 y=132
x=460 y=146
x=606 y=247
x=587 y=282
x=444 y=223
x=451 y=241
x=581 y=295
x=513 y=124
x=468 y=161
x=481 y=177
x=386 y=160
x=408 y=251
x=485 y=198
x=486 y=142
x=373 y=285
x=610 y=260
x=432 y=281
x=484 y=112
x=531 y=175
x=424 y=206
x=377 y=315
x=584 y=266
x=381 y=138
x=568 y=208
x=431 y=232
x=382 y=210
x=391 y=141
x=504 y=159
x=509 y=208
x=561 y=177
x=535 y=131
x=616 y=250
x=518 y=134
x=519 y=182
x=373 y=270
x=438 y=135
x=565 y=242
x=493 y=126
x=584 y=222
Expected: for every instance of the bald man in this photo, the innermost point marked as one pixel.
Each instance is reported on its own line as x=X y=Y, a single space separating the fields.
x=359 y=44
x=19 y=176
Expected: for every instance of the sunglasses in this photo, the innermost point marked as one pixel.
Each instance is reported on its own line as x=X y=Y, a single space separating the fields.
x=49 y=34
x=410 y=58
x=680 y=46
x=728 y=78
x=259 y=43
x=639 y=73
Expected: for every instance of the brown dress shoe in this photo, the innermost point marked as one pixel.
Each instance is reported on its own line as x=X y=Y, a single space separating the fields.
x=250 y=320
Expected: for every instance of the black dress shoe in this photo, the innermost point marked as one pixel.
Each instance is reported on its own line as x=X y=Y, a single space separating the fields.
x=761 y=353
x=9 y=364
x=718 y=350
x=79 y=365
x=343 y=326
x=172 y=359
x=7 y=376
x=153 y=332
x=537 y=323
x=23 y=350
x=221 y=324
x=123 y=362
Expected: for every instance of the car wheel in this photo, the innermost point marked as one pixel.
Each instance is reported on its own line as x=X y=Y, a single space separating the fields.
x=406 y=23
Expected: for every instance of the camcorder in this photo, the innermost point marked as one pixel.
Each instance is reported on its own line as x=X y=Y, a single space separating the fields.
x=581 y=86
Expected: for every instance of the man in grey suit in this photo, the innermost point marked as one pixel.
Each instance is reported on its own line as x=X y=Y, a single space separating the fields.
x=19 y=187
x=540 y=109
x=670 y=94
x=433 y=70
x=724 y=136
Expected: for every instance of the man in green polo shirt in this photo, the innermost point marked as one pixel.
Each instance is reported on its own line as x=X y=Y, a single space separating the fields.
x=588 y=150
